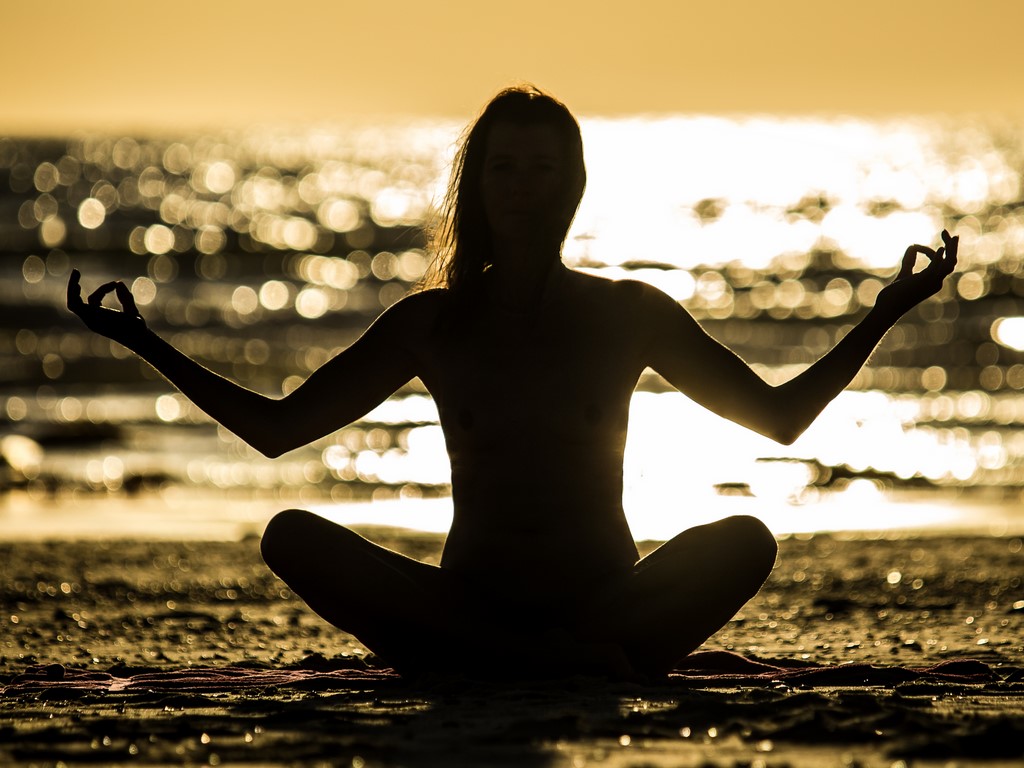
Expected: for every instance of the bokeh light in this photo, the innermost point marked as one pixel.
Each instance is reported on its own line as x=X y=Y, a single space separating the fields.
x=1009 y=331
x=263 y=254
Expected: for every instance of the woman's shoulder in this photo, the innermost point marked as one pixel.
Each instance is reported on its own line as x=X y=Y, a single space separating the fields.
x=628 y=291
x=413 y=313
x=421 y=303
x=425 y=299
x=631 y=305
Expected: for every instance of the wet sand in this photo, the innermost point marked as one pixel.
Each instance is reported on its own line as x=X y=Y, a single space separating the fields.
x=193 y=653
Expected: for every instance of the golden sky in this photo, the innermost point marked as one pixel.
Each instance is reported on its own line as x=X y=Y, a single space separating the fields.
x=103 y=64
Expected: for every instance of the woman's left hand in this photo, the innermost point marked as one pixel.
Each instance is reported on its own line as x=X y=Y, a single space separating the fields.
x=910 y=288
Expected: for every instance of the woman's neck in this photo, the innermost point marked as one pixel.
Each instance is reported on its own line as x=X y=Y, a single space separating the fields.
x=520 y=275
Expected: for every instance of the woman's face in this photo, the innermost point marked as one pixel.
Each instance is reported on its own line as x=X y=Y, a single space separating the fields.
x=524 y=182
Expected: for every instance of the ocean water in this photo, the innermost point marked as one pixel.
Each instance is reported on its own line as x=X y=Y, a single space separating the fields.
x=263 y=253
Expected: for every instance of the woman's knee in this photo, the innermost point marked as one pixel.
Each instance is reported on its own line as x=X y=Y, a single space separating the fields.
x=296 y=541
x=283 y=533
x=753 y=541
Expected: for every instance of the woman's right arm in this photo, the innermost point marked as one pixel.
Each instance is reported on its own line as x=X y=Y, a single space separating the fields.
x=339 y=392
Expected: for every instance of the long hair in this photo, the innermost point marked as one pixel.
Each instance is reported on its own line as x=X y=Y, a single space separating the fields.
x=462 y=239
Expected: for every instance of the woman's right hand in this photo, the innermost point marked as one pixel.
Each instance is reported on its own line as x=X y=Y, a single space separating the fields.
x=124 y=326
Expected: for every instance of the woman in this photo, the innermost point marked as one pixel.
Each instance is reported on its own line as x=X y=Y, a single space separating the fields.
x=539 y=572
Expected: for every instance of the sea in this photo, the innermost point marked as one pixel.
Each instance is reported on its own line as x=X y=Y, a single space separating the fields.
x=263 y=252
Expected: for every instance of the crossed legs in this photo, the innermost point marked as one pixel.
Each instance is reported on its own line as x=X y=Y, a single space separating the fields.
x=683 y=592
x=398 y=607
x=413 y=614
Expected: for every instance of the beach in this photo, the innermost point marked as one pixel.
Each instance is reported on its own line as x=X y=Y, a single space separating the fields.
x=192 y=653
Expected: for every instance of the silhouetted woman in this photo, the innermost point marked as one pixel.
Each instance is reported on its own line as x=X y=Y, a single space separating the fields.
x=532 y=366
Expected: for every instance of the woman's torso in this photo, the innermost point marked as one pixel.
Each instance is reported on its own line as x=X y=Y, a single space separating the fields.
x=534 y=408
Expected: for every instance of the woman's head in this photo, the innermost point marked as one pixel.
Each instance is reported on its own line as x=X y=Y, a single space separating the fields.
x=464 y=239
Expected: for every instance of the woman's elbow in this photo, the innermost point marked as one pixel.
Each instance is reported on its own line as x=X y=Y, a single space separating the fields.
x=277 y=443
x=778 y=433
x=786 y=419
x=783 y=431
x=786 y=437
x=271 y=451
x=265 y=445
x=272 y=440
x=279 y=431
x=788 y=432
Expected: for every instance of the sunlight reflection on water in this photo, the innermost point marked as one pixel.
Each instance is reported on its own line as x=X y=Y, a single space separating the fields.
x=776 y=234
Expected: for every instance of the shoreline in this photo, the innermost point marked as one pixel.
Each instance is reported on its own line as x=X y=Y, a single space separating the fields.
x=172 y=608
x=181 y=514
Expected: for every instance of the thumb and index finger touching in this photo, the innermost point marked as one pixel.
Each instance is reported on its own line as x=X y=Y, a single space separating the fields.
x=126 y=299
x=945 y=255
x=124 y=295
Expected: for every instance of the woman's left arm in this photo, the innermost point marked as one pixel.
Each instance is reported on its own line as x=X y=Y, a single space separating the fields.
x=715 y=377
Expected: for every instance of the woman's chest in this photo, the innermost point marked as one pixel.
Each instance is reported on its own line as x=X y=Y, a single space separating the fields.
x=570 y=380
